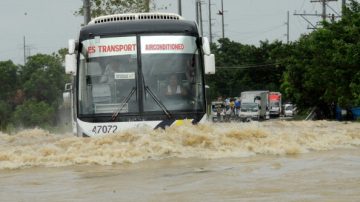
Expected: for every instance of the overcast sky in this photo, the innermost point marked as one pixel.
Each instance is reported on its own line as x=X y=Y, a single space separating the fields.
x=48 y=24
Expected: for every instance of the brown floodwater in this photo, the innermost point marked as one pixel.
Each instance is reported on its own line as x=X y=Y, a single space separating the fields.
x=257 y=161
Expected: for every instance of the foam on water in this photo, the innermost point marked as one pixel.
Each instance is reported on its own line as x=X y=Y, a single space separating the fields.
x=38 y=147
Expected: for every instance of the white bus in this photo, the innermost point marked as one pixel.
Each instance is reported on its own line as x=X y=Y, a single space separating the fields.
x=137 y=69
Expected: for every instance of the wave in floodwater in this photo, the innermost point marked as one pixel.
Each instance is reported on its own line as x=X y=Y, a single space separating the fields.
x=38 y=147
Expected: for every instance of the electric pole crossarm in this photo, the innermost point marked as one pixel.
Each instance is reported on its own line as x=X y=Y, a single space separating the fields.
x=323 y=15
x=338 y=15
x=302 y=16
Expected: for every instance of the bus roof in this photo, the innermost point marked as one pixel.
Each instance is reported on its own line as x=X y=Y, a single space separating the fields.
x=138 y=26
x=136 y=16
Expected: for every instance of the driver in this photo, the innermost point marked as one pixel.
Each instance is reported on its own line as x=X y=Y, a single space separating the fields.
x=174 y=88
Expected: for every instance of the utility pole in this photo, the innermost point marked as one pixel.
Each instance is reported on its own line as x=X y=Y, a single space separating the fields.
x=86 y=7
x=210 y=25
x=179 y=7
x=221 y=12
x=24 y=51
x=323 y=10
x=288 y=28
x=147 y=6
x=343 y=5
x=27 y=50
x=222 y=19
x=201 y=20
x=198 y=15
x=324 y=4
x=323 y=15
x=197 y=11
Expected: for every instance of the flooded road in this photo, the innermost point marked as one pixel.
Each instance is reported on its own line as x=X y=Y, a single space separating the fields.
x=267 y=161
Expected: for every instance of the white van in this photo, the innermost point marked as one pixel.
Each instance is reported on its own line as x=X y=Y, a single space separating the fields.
x=289 y=110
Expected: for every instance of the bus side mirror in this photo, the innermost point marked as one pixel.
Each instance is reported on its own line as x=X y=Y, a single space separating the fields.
x=71 y=46
x=70 y=64
x=68 y=87
x=209 y=62
x=67 y=95
x=206 y=46
x=67 y=99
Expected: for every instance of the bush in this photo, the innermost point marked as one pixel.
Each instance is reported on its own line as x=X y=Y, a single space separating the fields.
x=32 y=113
x=5 y=114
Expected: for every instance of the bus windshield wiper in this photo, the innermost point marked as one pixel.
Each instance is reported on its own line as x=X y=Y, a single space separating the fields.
x=158 y=101
x=123 y=103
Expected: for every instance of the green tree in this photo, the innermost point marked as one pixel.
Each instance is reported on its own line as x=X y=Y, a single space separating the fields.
x=43 y=79
x=61 y=54
x=229 y=81
x=322 y=68
x=246 y=67
x=355 y=89
x=8 y=79
x=8 y=89
x=5 y=114
x=33 y=113
x=109 y=7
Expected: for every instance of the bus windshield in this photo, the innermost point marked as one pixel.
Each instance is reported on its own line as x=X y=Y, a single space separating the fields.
x=110 y=79
x=171 y=69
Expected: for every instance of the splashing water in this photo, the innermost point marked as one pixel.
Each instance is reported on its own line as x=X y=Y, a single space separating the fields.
x=38 y=147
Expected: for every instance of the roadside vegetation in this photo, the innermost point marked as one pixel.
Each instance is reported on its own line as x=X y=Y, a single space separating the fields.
x=31 y=94
x=320 y=69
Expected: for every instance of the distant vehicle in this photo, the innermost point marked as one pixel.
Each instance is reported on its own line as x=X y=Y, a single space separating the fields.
x=249 y=111
x=275 y=104
x=259 y=97
x=289 y=110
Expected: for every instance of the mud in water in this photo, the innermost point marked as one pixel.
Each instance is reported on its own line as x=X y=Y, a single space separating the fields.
x=258 y=161
x=37 y=147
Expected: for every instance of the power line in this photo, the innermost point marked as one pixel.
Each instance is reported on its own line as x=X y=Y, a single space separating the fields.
x=269 y=29
x=250 y=66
